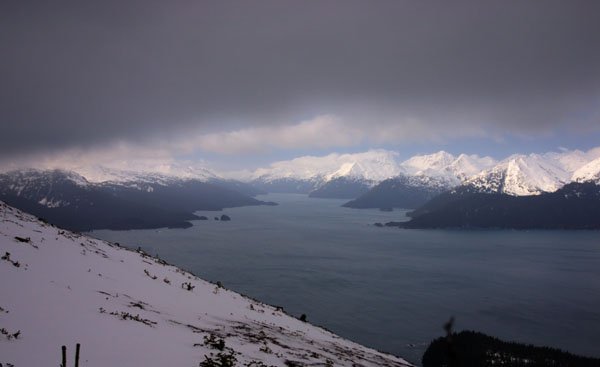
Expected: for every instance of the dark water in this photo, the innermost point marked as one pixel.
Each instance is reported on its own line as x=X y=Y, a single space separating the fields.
x=393 y=289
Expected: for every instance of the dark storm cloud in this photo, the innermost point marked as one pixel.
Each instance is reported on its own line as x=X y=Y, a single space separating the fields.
x=78 y=73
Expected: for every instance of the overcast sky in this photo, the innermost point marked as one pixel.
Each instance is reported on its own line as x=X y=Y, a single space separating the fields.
x=241 y=83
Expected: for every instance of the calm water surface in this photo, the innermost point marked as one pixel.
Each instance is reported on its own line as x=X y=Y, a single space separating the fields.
x=392 y=289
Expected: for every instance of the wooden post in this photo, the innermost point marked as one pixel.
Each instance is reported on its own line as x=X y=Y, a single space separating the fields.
x=77 y=355
x=64 y=356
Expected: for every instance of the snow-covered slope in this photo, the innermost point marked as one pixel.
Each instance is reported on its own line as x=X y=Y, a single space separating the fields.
x=444 y=168
x=534 y=174
x=428 y=164
x=306 y=174
x=372 y=167
x=158 y=173
x=465 y=166
x=47 y=188
x=69 y=200
x=423 y=178
x=128 y=309
x=375 y=165
x=588 y=172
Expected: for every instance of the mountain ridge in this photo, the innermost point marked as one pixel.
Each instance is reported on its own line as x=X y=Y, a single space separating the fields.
x=68 y=199
x=521 y=174
x=573 y=206
x=361 y=171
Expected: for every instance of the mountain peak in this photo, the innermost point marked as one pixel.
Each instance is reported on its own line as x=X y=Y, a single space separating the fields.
x=429 y=163
x=521 y=174
x=588 y=172
x=370 y=165
x=518 y=174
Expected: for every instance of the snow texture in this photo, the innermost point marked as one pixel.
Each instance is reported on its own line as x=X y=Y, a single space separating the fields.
x=127 y=308
x=374 y=166
x=162 y=173
x=534 y=174
x=588 y=172
x=517 y=175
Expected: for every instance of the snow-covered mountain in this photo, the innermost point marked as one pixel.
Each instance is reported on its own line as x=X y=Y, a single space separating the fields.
x=68 y=199
x=443 y=168
x=465 y=166
x=422 y=178
x=430 y=164
x=146 y=176
x=373 y=165
x=533 y=174
x=305 y=174
x=160 y=172
x=334 y=175
x=588 y=172
x=126 y=308
x=365 y=170
x=354 y=175
x=518 y=174
x=47 y=188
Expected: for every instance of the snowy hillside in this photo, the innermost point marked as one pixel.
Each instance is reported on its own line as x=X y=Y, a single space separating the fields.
x=128 y=309
x=423 y=178
x=334 y=175
x=375 y=165
x=370 y=168
x=588 y=172
x=126 y=172
x=427 y=164
x=149 y=173
x=516 y=175
x=67 y=199
x=38 y=186
x=442 y=168
x=465 y=166
x=534 y=174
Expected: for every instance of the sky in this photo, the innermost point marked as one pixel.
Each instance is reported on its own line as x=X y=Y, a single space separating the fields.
x=238 y=84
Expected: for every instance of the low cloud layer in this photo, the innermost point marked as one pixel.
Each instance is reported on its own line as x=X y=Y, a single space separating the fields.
x=167 y=78
x=327 y=131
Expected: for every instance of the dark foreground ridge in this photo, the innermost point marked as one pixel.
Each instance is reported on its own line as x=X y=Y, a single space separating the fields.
x=470 y=348
x=575 y=206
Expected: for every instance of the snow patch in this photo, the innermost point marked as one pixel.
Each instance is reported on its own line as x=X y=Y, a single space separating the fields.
x=127 y=308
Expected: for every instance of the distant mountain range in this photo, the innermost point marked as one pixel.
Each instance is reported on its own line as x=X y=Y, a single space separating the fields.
x=167 y=195
x=129 y=200
x=378 y=179
x=534 y=174
x=335 y=175
x=351 y=175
